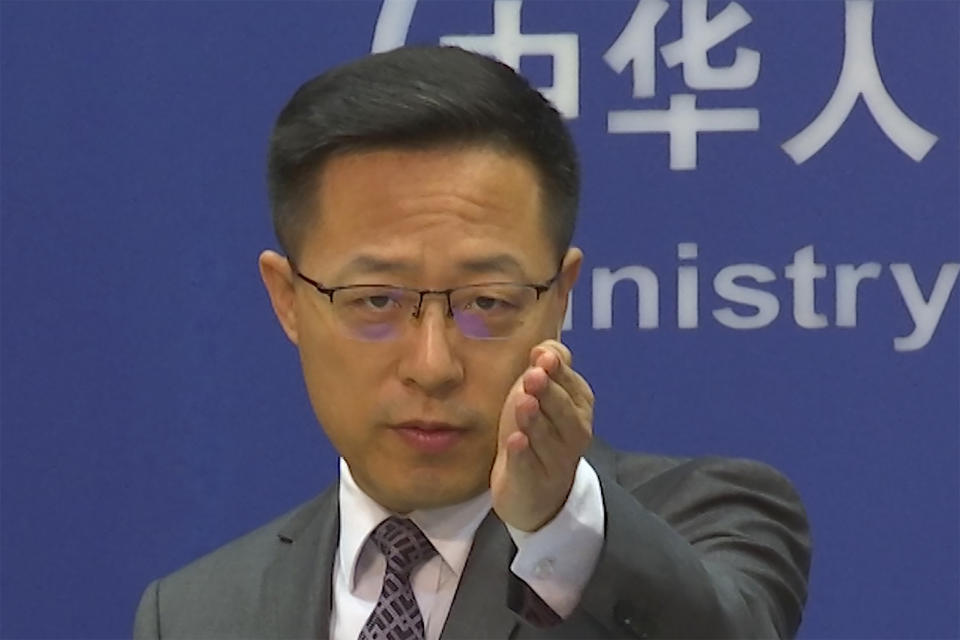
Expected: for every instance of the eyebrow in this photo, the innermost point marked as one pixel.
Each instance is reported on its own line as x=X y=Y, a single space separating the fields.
x=501 y=262
x=365 y=264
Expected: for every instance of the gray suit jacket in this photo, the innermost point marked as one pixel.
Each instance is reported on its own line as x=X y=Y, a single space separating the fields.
x=702 y=548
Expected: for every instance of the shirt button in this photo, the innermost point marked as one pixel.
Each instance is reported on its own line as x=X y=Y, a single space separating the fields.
x=544 y=568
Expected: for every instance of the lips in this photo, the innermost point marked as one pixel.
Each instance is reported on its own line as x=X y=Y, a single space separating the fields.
x=427 y=436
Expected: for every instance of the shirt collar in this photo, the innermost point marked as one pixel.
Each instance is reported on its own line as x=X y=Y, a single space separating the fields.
x=450 y=529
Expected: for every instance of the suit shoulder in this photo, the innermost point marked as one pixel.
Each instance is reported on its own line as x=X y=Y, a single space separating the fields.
x=223 y=593
x=657 y=478
x=237 y=563
x=641 y=467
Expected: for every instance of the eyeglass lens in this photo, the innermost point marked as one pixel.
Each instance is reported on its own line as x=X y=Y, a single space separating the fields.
x=482 y=312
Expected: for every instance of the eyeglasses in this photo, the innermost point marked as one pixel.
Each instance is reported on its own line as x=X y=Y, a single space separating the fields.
x=381 y=312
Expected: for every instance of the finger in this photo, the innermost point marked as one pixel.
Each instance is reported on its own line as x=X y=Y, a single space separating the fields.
x=572 y=423
x=522 y=457
x=517 y=442
x=525 y=410
x=566 y=356
x=536 y=382
x=549 y=450
x=571 y=416
x=557 y=347
x=569 y=379
x=548 y=360
x=510 y=425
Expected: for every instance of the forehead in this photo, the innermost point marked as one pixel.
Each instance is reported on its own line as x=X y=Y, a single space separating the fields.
x=427 y=209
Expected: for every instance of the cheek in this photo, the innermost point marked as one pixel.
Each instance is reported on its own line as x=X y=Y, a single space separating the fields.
x=551 y=320
x=340 y=384
x=494 y=375
x=500 y=369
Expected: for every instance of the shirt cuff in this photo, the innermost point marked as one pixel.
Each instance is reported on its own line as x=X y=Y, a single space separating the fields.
x=557 y=560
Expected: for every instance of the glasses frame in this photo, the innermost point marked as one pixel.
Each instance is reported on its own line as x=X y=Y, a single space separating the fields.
x=539 y=287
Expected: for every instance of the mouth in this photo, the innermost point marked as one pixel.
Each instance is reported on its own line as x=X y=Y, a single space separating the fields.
x=429 y=436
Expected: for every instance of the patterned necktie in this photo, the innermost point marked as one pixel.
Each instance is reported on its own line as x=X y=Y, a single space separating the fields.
x=397 y=616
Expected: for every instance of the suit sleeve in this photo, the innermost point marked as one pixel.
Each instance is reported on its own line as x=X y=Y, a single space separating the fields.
x=706 y=549
x=146 y=625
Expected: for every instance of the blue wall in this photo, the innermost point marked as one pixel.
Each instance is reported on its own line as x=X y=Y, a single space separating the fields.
x=152 y=408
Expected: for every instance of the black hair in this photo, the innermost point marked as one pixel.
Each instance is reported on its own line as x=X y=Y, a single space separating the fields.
x=418 y=98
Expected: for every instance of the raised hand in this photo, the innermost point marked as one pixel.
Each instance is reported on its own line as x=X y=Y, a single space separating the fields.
x=545 y=426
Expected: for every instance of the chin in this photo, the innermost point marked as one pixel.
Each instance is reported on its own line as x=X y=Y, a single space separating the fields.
x=433 y=492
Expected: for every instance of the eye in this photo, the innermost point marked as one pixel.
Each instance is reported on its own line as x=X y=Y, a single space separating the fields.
x=378 y=302
x=488 y=303
x=370 y=300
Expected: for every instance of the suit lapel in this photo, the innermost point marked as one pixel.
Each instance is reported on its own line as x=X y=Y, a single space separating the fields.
x=479 y=608
x=297 y=587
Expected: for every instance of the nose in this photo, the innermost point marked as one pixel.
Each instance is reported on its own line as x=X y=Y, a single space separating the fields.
x=429 y=361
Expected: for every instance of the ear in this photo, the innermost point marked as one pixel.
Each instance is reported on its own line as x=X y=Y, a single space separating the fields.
x=569 y=271
x=278 y=278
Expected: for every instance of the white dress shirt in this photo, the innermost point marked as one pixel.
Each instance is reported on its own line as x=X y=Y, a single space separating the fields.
x=544 y=559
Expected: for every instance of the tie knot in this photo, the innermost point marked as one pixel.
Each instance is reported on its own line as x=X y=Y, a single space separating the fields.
x=403 y=544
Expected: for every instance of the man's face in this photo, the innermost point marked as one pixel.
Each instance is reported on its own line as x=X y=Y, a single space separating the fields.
x=425 y=219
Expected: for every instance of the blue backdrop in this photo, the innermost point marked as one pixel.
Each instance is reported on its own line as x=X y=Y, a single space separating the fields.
x=786 y=173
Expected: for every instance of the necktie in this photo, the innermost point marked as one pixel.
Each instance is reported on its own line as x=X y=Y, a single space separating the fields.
x=396 y=615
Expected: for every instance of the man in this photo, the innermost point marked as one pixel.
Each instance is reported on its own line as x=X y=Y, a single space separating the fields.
x=425 y=200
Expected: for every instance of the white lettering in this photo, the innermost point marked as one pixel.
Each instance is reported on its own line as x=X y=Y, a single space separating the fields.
x=752 y=306
x=701 y=34
x=507 y=43
x=767 y=305
x=925 y=313
x=688 y=307
x=682 y=121
x=848 y=281
x=803 y=272
x=860 y=75
x=393 y=23
x=636 y=44
x=648 y=296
